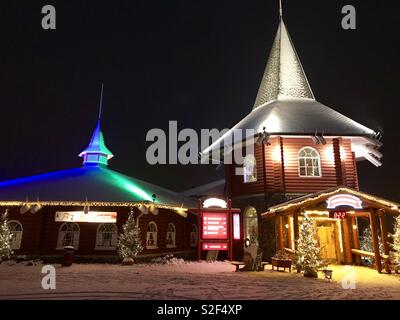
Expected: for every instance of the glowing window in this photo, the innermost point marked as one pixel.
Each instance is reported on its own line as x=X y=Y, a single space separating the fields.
x=68 y=235
x=16 y=234
x=309 y=163
x=106 y=238
x=249 y=169
x=151 y=236
x=171 y=233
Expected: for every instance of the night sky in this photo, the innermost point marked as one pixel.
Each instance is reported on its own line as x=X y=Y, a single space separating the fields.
x=197 y=62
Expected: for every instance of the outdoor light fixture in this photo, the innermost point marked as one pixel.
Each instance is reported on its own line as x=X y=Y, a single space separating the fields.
x=86 y=207
x=143 y=209
x=25 y=208
x=154 y=210
x=36 y=208
x=318 y=139
x=263 y=138
x=287 y=226
x=355 y=227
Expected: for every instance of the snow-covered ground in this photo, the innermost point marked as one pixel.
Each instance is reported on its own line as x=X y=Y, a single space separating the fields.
x=191 y=280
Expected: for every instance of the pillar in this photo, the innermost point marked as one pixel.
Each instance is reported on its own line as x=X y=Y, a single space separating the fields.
x=356 y=239
x=348 y=257
x=384 y=233
x=374 y=232
x=280 y=232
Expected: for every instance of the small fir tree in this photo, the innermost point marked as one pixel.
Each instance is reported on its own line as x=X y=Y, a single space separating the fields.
x=307 y=255
x=129 y=243
x=366 y=244
x=395 y=246
x=5 y=238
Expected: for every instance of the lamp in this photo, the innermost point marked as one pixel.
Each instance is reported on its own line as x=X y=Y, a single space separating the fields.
x=154 y=210
x=86 y=207
x=263 y=138
x=25 y=208
x=143 y=209
x=36 y=207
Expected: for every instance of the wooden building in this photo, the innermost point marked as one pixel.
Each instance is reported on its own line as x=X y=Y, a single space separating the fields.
x=86 y=208
x=301 y=146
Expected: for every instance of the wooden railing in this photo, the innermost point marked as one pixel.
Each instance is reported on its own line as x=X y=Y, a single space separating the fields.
x=368 y=254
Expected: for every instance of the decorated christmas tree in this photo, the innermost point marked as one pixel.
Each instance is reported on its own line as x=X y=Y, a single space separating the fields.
x=307 y=255
x=366 y=244
x=395 y=247
x=129 y=244
x=5 y=238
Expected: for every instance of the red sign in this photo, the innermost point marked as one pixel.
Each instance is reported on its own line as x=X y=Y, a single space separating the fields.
x=338 y=214
x=215 y=226
x=215 y=246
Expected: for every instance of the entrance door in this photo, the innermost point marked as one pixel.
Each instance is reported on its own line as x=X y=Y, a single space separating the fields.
x=326 y=236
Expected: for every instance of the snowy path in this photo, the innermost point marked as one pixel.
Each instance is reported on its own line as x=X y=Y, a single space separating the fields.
x=188 y=281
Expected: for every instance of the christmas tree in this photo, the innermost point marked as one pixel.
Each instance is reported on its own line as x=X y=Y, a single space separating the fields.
x=5 y=238
x=395 y=247
x=307 y=254
x=366 y=244
x=129 y=244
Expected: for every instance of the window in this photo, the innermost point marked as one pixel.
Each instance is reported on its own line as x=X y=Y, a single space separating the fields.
x=193 y=236
x=249 y=169
x=151 y=237
x=16 y=234
x=170 y=241
x=68 y=235
x=106 y=238
x=251 y=225
x=309 y=163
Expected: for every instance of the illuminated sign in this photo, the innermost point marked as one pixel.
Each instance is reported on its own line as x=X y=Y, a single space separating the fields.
x=338 y=214
x=214 y=202
x=91 y=216
x=348 y=200
x=215 y=226
x=215 y=246
x=236 y=226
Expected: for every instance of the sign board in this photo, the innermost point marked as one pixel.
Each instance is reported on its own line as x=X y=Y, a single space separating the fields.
x=236 y=226
x=91 y=216
x=214 y=202
x=214 y=246
x=215 y=226
x=344 y=200
x=338 y=214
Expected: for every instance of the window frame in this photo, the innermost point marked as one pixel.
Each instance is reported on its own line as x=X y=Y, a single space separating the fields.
x=173 y=236
x=18 y=237
x=61 y=235
x=114 y=237
x=155 y=236
x=318 y=157
x=254 y=173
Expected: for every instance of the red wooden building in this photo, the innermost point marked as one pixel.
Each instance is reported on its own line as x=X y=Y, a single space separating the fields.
x=86 y=208
x=302 y=146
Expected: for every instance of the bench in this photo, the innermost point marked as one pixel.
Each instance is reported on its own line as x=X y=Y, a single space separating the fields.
x=237 y=264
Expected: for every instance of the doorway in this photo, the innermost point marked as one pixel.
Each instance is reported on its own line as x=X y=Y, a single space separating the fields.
x=327 y=241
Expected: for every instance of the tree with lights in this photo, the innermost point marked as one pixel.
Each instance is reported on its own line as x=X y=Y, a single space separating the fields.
x=307 y=254
x=366 y=244
x=129 y=243
x=5 y=238
x=395 y=247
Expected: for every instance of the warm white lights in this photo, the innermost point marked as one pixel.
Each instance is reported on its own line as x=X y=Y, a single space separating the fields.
x=236 y=226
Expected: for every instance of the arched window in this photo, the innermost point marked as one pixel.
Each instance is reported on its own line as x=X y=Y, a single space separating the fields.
x=171 y=236
x=151 y=237
x=16 y=234
x=68 y=235
x=249 y=169
x=309 y=163
x=251 y=225
x=193 y=236
x=106 y=238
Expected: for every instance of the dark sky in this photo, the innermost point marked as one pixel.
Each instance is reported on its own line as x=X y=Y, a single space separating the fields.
x=197 y=62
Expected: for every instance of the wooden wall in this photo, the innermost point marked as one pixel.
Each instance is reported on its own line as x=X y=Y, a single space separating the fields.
x=40 y=231
x=338 y=167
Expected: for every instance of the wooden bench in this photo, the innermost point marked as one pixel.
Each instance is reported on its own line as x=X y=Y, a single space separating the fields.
x=237 y=264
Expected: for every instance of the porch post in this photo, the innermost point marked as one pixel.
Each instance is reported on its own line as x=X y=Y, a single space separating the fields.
x=348 y=257
x=356 y=239
x=374 y=232
x=386 y=249
x=280 y=232
x=296 y=227
x=289 y=232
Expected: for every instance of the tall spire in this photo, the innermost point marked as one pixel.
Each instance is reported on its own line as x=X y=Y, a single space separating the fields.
x=96 y=153
x=284 y=77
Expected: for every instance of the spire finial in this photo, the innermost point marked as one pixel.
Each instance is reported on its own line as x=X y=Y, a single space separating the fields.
x=101 y=100
x=280 y=9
